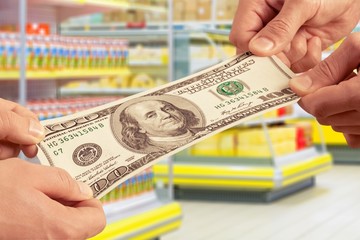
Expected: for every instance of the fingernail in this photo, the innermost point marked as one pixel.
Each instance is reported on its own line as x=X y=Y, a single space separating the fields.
x=85 y=189
x=302 y=83
x=263 y=43
x=36 y=129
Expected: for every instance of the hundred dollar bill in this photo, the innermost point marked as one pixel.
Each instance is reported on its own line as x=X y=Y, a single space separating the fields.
x=107 y=145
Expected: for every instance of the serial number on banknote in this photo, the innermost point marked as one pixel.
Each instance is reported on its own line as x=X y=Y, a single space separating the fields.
x=56 y=143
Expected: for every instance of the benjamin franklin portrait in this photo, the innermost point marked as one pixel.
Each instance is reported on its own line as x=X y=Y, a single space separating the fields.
x=154 y=124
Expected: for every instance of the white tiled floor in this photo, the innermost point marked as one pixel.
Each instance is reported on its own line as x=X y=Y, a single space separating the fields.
x=329 y=210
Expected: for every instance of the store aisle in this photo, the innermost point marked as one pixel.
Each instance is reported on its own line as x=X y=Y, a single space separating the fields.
x=329 y=210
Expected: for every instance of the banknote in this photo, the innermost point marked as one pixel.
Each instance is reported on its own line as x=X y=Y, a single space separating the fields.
x=109 y=144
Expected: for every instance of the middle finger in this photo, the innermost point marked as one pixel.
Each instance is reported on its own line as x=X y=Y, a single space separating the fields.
x=349 y=118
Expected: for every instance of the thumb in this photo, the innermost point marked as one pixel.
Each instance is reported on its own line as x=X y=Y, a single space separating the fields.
x=334 y=69
x=279 y=32
x=58 y=184
x=20 y=129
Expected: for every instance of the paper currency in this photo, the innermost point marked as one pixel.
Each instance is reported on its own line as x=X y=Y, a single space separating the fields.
x=106 y=145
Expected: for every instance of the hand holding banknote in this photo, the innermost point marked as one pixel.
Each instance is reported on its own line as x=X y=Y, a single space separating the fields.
x=20 y=130
x=39 y=202
x=295 y=30
x=330 y=91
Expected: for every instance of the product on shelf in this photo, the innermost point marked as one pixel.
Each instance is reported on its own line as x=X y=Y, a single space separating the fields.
x=52 y=108
x=52 y=52
x=124 y=81
x=9 y=51
x=147 y=55
x=137 y=185
x=38 y=28
x=277 y=113
x=252 y=142
x=135 y=16
x=192 y=10
x=226 y=9
x=142 y=81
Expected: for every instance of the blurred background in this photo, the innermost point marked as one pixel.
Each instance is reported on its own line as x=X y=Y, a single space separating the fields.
x=254 y=181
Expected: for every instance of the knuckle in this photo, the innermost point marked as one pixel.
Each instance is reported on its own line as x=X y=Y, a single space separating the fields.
x=6 y=118
x=303 y=65
x=310 y=5
x=352 y=97
x=237 y=41
x=327 y=69
x=298 y=50
x=279 y=27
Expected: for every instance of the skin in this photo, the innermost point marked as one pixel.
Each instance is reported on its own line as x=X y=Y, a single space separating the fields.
x=39 y=202
x=158 y=119
x=20 y=130
x=330 y=91
x=296 y=30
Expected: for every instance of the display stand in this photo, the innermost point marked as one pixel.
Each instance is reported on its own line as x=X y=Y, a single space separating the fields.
x=142 y=217
x=145 y=216
x=335 y=142
x=245 y=179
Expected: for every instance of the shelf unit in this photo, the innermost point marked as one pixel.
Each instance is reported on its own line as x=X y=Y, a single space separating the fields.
x=205 y=178
x=142 y=217
x=60 y=75
x=65 y=9
x=335 y=141
x=153 y=26
x=244 y=178
x=246 y=173
x=100 y=91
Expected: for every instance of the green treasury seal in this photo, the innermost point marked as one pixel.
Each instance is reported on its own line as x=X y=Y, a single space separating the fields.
x=230 y=88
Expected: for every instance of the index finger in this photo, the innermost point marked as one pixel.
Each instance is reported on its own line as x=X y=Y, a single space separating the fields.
x=249 y=19
x=333 y=70
x=333 y=99
x=6 y=105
